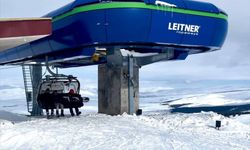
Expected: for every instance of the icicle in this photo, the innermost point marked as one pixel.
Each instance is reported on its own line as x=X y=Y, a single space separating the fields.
x=164 y=4
x=165 y=7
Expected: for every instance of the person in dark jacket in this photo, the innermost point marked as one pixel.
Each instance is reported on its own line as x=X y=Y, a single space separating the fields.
x=73 y=100
x=58 y=103
x=48 y=102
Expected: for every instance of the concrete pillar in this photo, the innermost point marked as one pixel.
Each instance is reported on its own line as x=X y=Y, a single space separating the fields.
x=113 y=98
x=36 y=78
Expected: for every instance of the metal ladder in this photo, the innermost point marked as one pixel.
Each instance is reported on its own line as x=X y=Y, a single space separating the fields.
x=27 y=78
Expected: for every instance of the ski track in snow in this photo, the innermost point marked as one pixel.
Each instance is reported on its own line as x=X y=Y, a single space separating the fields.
x=150 y=131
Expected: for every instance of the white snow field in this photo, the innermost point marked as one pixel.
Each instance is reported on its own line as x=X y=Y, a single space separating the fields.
x=156 y=130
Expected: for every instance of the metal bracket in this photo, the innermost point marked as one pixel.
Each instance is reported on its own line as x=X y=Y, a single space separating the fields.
x=50 y=71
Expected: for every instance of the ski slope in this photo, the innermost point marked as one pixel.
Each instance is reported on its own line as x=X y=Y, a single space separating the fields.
x=154 y=130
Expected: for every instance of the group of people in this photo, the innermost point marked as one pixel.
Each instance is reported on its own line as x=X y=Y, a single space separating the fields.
x=55 y=100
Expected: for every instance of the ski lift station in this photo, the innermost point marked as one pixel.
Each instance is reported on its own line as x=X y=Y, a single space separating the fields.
x=118 y=36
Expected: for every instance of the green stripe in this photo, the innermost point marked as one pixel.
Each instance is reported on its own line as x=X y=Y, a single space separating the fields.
x=112 y=5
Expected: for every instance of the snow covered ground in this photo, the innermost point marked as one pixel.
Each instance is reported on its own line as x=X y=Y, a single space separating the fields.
x=150 y=131
x=157 y=128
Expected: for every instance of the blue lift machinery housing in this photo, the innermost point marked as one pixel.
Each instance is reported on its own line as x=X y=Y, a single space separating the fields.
x=84 y=30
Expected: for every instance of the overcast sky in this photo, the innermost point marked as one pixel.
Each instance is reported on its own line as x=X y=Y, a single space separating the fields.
x=232 y=62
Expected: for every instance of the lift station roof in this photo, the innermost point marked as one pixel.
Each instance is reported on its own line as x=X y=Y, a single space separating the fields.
x=85 y=29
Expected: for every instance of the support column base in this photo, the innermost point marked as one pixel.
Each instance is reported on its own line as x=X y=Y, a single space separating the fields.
x=113 y=98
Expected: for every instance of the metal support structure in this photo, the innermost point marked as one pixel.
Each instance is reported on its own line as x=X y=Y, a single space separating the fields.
x=50 y=71
x=36 y=78
x=47 y=67
x=118 y=80
x=131 y=84
x=32 y=75
x=28 y=86
x=118 y=84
